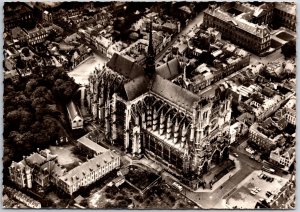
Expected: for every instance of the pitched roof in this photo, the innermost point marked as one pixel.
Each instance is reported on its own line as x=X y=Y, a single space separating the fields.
x=174 y=93
x=73 y=111
x=136 y=87
x=91 y=145
x=124 y=66
x=35 y=158
x=258 y=30
x=170 y=69
x=79 y=172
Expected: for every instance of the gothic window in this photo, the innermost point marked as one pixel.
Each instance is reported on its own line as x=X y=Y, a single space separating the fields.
x=205 y=115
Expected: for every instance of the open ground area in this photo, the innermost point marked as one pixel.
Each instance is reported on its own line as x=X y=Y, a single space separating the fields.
x=81 y=73
x=285 y=36
x=65 y=156
x=242 y=197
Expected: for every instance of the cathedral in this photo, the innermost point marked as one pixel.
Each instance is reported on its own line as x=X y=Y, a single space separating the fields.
x=149 y=115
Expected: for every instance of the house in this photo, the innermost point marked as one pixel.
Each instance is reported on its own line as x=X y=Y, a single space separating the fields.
x=75 y=116
x=79 y=55
x=283 y=157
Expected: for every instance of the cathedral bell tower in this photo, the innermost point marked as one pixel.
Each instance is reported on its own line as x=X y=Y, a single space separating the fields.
x=150 y=58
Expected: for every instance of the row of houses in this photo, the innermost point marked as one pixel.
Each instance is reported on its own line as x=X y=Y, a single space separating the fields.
x=15 y=194
x=276 y=135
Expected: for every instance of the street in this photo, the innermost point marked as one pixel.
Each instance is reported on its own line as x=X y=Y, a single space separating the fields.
x=196 y=21
x=204 y=199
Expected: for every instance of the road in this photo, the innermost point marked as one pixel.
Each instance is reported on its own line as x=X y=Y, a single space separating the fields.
x=196 y=21
x=213 y=199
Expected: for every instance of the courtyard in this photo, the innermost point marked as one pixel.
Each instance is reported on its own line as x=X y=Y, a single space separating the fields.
x=81 y=73
x=66 y=156
x=241 y=198
x=285 y=36
x=135 y=174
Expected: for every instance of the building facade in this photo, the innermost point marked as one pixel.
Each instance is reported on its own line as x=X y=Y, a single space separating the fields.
x=283 y=157
x=151 y=115
x=238 y=28
x=41 y=168
x=88 y=172
x=285 y=15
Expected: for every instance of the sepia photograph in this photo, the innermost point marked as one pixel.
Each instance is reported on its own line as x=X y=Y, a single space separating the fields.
x=149 y=105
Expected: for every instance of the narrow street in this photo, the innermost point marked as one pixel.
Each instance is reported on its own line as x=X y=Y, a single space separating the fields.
x=196 y=21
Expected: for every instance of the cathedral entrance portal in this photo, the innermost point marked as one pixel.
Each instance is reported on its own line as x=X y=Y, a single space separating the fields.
x=216 y=157
x=225 y=154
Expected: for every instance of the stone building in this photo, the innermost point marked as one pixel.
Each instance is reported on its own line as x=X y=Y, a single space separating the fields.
x=88 y=172
x=235 y=21
x=41 y=168
x=285 y=15
x=284 y=157
x=150 y=115
x=35 y=168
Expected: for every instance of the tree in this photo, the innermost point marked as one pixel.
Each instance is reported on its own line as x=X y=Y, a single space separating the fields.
x=26 y=52
x=31 y=86
x=289 y=49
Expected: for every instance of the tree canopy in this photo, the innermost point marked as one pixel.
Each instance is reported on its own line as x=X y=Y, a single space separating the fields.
x=33 y=111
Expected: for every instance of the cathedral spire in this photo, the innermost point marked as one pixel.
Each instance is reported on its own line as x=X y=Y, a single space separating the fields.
x=150 y=59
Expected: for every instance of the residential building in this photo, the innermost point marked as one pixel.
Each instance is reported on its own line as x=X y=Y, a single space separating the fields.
x=89 y=172
x=35 y=168
x=283 y=157
x=234 y=21
x=264 y=142
x=15 y=194
x=80 y=54
x=36 y=35
x=17 y=14
x=285 y=15
x=289 y=111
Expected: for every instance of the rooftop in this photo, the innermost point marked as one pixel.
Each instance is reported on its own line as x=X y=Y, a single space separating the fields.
x=79 y=172
x=84 y=140
x=238 y=21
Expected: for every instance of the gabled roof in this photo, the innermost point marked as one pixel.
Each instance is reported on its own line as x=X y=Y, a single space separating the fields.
x=73 y=111
x=124 y=66
x=79 y=172
x=169 y=70
x=91 y=145
x=35 y=158
x=174 y=93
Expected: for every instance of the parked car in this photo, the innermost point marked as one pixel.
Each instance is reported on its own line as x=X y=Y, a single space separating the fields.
x=257 y=189
x=268 y=193
x=235 y=155
x=176 y=185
